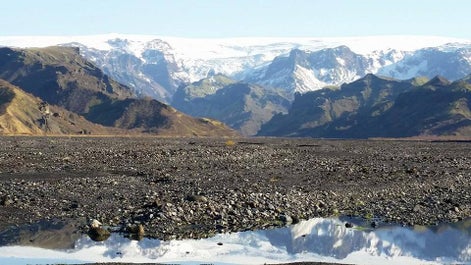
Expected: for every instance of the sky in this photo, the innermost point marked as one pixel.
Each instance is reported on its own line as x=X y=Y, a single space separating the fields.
x=237 y=18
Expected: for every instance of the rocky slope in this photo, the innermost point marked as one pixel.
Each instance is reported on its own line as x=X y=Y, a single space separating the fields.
x=60 y=76
x=153 y=73
x=22 y=113
x=452 y=61
x=378 y=107
x=303 y=71
x=242 y=106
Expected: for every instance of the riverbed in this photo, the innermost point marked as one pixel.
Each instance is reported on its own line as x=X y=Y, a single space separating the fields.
x=194 y=188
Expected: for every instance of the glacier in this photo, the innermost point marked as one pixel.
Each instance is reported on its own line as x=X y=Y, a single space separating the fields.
x=156 y=66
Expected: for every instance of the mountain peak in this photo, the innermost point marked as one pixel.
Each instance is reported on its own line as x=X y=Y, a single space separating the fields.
x=438 y=81
x=342 y=49
x=297 y=54
x=371 y=76
x=369 y=79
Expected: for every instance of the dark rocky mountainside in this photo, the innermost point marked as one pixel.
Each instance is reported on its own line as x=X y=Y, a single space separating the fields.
x=60 y=76
x=22 y=113
x=378 y=107
x=242 y=106
x=436 y=108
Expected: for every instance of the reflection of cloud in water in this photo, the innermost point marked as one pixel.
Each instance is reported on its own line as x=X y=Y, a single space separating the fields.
x=314 y=240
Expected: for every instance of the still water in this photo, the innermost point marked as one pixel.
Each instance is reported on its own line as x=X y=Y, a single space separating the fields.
x=320 y=239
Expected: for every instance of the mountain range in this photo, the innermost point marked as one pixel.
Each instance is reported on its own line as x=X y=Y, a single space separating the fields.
x=261 y=77
x=55 y=90
x=156 y=66
x=379 y=107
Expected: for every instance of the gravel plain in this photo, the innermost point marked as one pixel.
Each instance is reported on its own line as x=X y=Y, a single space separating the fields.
x=197 y=187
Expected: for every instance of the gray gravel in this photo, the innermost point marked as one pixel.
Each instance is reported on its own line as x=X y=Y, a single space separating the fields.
x=194 y=188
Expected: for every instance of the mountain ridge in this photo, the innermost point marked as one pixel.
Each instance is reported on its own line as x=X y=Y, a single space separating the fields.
x=22 y=113
x=378 y=107
x=61 y=78
x=160 y=67
x=130 y=59
x=242 y=106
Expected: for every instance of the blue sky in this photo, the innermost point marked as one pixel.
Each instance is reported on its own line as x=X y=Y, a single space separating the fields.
x=238 y=18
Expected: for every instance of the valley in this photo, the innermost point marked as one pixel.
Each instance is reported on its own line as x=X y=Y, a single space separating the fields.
x=235 y=132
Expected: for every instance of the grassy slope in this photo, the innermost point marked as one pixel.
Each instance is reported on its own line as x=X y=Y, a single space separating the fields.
x=21 y=115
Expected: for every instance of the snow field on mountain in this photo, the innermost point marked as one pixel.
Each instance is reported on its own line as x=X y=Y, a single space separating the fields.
x=247 y=59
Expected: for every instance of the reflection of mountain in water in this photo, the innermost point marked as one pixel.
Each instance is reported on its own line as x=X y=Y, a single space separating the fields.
x=118 y=246
x=329 y=237
x=313 y=240
x=323 y=237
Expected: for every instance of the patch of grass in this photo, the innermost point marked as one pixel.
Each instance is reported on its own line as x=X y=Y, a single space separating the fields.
x=274 y=179
x=360 y=228
x=335 y=212
x=369 y=216
x=230 y=143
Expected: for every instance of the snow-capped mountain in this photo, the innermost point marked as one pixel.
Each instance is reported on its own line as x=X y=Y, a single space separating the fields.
x=303 y=71
x=156 y=66
x=151 y=70
x=450 y=61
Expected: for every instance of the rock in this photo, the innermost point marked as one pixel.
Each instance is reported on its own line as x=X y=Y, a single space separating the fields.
x=196 y=198
x=5 y=201
x=348 y=225
x=417 y=208
x=98 y=234
x=94 y=223
x=286 y=219
x=136 y=229
x=74 y=205
x=321 y=204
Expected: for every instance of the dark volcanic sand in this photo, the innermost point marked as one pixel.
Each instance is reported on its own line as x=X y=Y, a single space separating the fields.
x=190 y=188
